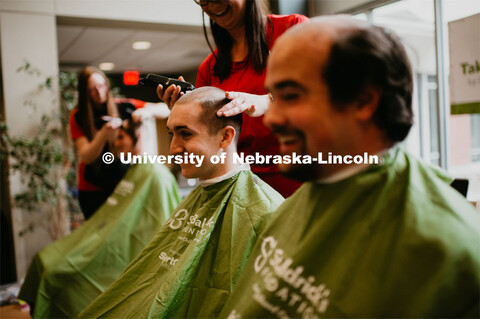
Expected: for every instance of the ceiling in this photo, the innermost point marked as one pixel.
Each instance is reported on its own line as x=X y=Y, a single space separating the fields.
x=175 y=49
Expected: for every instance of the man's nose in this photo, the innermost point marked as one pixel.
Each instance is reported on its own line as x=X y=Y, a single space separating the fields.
x=175 y=146
x=274 y=116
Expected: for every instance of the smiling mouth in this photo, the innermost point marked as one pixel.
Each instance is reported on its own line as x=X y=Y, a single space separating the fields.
x=289 y=139
x=289 y=144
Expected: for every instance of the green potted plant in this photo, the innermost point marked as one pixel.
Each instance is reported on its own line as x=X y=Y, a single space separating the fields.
x=46 y=161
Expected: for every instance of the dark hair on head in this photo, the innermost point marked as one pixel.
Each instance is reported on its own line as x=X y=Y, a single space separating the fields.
x=131 y=129
x=372 y=56
x=256 y=41
x=212 y=99
x=85 y=115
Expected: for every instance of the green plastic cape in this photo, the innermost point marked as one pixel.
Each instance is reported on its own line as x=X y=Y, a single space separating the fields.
x=394 y=240
x=67 y=275
x=190 y=267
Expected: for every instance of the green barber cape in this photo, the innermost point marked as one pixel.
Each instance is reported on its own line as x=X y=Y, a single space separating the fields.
x=190 y=267
x=67 y=275
x=394 y=240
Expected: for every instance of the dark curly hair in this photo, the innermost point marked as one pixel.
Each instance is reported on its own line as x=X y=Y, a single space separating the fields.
x=372 y=56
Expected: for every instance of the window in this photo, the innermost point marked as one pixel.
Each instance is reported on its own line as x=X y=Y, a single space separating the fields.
x=433 y=119
x=414 y=22
x=464 y=130
x=458 y=150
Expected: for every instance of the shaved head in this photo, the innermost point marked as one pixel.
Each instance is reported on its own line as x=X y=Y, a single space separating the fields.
x=212 y=99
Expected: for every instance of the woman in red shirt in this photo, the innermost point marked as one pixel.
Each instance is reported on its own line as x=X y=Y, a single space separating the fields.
x=93 y=137
x=244 y=36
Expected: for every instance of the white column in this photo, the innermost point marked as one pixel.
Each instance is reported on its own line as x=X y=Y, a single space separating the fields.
x=27 y=36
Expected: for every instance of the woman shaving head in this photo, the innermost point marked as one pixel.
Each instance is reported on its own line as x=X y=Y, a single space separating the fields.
x=244 y=33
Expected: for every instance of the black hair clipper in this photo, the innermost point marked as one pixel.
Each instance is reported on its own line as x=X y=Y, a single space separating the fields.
x=153 y=80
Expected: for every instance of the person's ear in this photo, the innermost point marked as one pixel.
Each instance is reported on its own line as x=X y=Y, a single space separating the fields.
x=228 y=136
x=367 y=103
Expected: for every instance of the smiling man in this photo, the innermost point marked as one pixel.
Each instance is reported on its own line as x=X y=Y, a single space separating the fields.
x=194 y=129
x=385 y=240
x=190 y=267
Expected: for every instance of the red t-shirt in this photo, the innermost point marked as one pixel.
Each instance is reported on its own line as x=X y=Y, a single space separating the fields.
x=77 y=132
x=255 y=137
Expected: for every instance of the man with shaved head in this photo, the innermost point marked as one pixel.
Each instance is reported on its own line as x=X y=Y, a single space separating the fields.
x=190 y=267
x=390 y=239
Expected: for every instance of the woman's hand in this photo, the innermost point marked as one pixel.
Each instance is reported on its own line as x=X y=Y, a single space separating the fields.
x=171 y=94
x=112 y=125
x=140 y=114
x=89 y=151
x=108 y=130
x=253 y=105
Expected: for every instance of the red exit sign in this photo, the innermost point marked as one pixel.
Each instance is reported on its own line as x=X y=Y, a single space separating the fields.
x=130 y=77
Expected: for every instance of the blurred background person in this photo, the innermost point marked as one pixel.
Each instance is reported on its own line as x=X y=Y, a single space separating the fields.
x=67 y=275
x=93 y=125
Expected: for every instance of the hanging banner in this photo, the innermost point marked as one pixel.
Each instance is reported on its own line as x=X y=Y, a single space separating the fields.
x=464 y=43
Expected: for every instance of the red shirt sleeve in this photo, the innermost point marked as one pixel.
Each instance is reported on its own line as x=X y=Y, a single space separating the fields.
x=75 y=130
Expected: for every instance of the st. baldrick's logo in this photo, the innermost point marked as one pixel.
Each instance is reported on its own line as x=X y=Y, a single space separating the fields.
x=294 y=289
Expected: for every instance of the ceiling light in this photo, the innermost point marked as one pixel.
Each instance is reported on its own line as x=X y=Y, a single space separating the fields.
x=141 y=45
x=106 y=66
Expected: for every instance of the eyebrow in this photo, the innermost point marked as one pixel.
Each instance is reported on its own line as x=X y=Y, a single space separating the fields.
x=178 y=127
x=286 y=84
